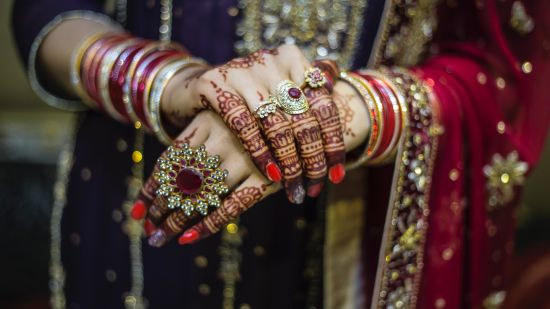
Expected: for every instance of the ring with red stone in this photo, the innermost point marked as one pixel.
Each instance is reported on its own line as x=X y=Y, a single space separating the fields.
x=190 y=179
x=266 y=107
x=290 y=98
x=314 y=78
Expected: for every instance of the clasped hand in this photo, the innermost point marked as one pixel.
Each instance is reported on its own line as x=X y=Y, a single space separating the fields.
x=216 y=107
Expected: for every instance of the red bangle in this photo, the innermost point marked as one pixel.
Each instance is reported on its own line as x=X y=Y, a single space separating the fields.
x=118 y=76
x=387 y=114
x=90 y=77
x=144 y=66
x=87 y=59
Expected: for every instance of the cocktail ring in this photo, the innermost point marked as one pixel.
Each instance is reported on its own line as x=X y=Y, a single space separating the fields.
x=266 y=107
x=190 y=179
x=314 y=78
x=290 y=98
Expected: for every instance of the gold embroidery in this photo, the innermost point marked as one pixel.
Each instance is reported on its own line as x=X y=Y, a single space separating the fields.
x=503 y=174
x=402 y=254
x=322 y=28
x=520 y=20
x=405 y=32
x=57 y=272
x=230 y=261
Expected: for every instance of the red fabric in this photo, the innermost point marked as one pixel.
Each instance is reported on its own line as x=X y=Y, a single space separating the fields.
x=468 y=248
x=476 y=39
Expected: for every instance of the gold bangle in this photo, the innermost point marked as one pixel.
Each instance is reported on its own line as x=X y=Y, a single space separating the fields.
x=126 y=88
x=76 y=62
x=374 y=106
x=368 y=101
x=396 y=107
x=160 y=82
x=106 y=66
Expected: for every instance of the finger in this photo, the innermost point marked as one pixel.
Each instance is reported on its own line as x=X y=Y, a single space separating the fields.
x=307 y=134
x=278 y=131
x=146 y=200
x=235 y=113
x=326 y=112
x=250 y=192
x=238 y=166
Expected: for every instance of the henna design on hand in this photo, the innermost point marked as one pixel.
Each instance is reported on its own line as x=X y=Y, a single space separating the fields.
x=326 y=113
x=234 y=112
x=233 y=206
x=257 y=57
x=278 y=131
x=308 y=136
x=346 y=113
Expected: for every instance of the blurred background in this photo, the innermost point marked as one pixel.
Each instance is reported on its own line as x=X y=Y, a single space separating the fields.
x=31 y=137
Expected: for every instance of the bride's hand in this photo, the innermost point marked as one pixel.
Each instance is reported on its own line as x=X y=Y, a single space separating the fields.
x=245 y=184
x=302 y=145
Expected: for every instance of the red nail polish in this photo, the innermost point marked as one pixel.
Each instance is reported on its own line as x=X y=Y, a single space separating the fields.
x=273 y=172
x=148 y=227
x=188 y=237
x=314 y=190
x=337 y=173
x=138 y=211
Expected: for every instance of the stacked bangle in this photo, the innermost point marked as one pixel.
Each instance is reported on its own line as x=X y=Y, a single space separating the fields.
x=157 y=90
x=387 y=113
x=125 y=76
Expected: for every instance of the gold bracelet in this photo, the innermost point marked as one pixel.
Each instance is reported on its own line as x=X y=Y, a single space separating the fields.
x=368 y=100
x=106 y=66
x=397 y=113
x=159 y=84
x=76 y=61
x=126 y=88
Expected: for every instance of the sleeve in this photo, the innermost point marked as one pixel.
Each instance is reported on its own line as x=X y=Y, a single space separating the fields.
x=31 y=23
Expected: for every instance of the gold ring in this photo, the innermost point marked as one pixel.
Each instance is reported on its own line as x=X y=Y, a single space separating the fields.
x=190 y=179
x=266 y=107
x=314 y=78
x=290 y=98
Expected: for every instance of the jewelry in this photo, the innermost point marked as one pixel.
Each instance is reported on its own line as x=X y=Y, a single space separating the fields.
x=314 y=78
x=76 y=61
x=266 y=107
x=126 y=88
x=374 y=107
x=399 y=108
x=106 y=67
x=158 y=85
x=290 y=98
x=190 y=179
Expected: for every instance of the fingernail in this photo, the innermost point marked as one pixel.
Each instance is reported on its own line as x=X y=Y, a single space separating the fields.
x=157 y=239
x=273 y=172
x=188 y=237
x=337 y=173
x=314 y=190
x=299 y=194
x=138 y=211
x=148 y=227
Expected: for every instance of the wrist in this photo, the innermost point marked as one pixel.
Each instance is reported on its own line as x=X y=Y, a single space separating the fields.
x=353 y=115
x=176 y=106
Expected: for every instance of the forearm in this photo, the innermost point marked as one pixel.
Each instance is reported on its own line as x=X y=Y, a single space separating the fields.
x=54 y=55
